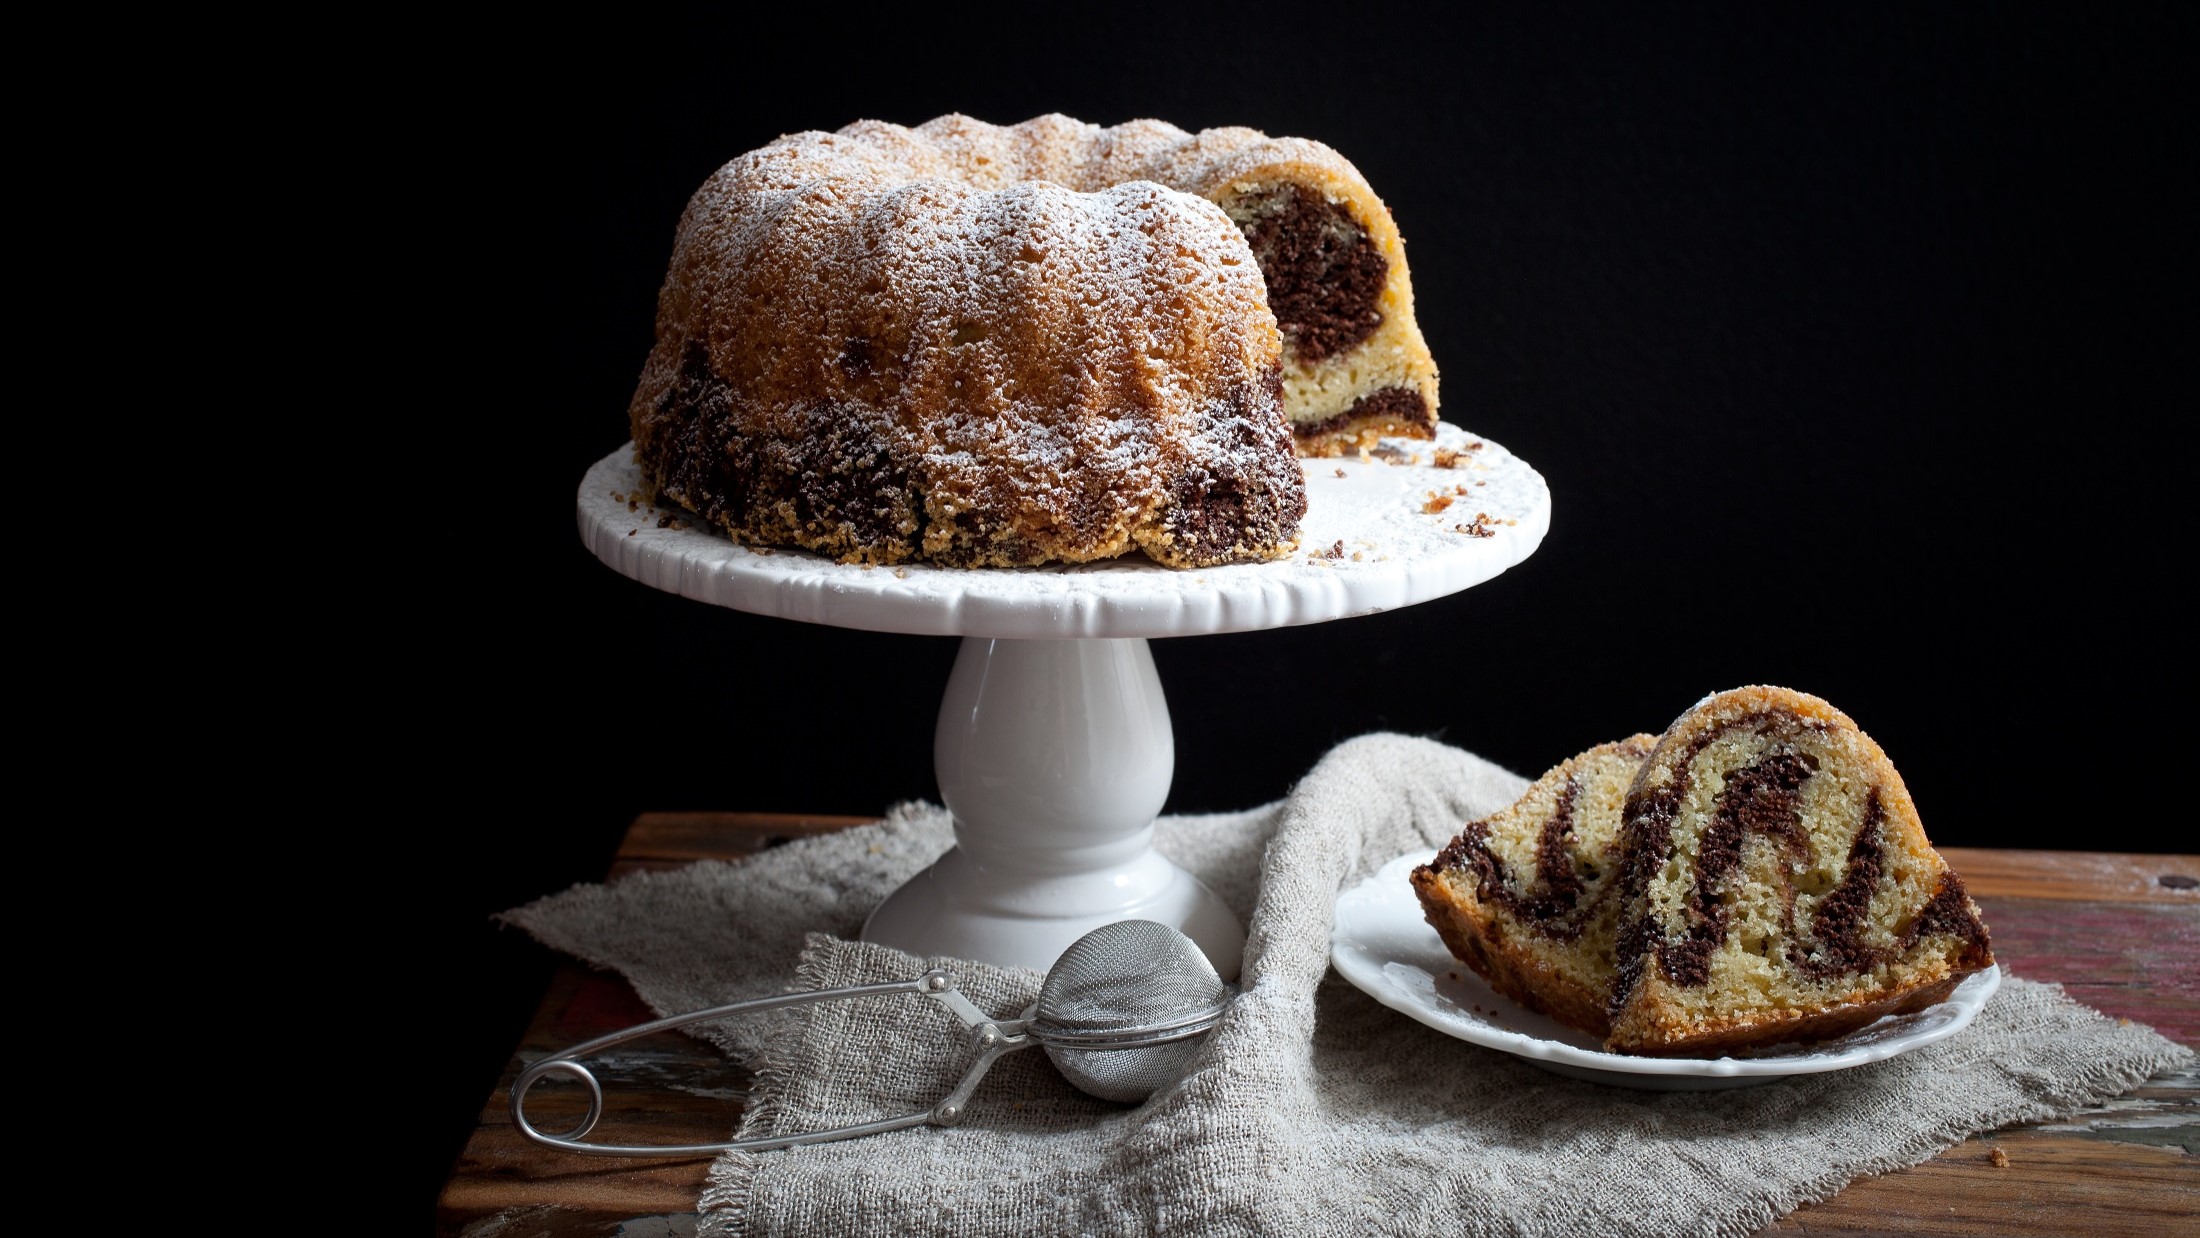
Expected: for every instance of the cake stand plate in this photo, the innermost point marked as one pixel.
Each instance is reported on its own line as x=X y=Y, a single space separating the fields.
x=1054 y=748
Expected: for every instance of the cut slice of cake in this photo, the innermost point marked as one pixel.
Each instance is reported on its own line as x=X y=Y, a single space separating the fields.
x=1526 y=897
x=1776 y=884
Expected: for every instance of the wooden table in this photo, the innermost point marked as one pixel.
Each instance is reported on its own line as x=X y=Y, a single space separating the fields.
x=2120 y=932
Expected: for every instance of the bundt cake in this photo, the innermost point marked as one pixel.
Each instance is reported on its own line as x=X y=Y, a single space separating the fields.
x=1764 y=878
x=1526 y=896
x=1049 y=342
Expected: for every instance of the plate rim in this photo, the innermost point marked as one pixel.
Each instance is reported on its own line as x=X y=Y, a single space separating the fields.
x=1968 y=999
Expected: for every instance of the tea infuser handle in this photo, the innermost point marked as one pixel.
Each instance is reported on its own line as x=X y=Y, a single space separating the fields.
x=992 y=1037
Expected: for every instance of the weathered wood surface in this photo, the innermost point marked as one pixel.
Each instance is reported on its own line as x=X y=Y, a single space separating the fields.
x=671 y=839
x=2104 y=926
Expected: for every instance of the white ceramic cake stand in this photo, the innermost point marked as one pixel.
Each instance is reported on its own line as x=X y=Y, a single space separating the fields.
x=1053 y=747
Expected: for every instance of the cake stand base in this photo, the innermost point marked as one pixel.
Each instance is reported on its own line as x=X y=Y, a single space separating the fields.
x=1055 y=757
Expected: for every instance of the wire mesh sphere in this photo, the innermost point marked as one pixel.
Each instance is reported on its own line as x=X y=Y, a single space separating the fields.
x=1127 y=979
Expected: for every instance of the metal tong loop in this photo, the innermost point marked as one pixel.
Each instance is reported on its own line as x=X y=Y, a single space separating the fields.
x=992 y=1037
x=1145 y=1035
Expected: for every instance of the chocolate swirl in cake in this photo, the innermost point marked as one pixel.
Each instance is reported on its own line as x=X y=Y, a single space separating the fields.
x=1325 y=279
x=1555 y=908
x=1764 y=798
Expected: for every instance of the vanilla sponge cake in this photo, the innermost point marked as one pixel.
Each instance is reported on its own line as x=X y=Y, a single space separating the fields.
x=1526 y=896
x=1777 y=884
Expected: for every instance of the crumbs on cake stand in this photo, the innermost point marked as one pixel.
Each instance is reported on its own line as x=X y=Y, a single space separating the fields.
x=1438 y=500
x=1449 y=457
x=1393 y=453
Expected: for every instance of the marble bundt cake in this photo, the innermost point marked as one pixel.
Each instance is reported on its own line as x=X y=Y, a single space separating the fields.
x=1526 y=896
x=1768 y=880
x=1012 y=345
x=1778 y=884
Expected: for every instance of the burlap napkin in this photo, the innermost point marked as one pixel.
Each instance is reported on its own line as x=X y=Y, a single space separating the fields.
x=1311 y=1109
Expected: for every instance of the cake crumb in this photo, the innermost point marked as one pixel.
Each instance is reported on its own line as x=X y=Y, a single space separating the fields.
x=1357 y=556
x=1335 y=551
x=632 y=532
x=1447 y=457
x=901 y=573
x=632 y=505
x=664 y=521
x=1480 y=528
x=1481 y=483
x=616 y=497
x=1436 y=503
x=761 y=550
x=1999 y=1158
x=1340 y=472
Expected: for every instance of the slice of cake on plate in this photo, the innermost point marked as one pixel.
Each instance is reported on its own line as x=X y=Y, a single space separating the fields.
x=1763 y=878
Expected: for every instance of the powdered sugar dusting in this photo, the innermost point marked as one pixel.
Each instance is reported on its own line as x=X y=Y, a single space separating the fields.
x=1394 y=553
x=978 y=344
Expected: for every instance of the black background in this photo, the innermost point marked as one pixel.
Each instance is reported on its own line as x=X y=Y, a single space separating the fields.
x=1848 y=348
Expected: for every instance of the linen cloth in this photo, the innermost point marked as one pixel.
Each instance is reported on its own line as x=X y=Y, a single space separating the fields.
x=1311 y=1109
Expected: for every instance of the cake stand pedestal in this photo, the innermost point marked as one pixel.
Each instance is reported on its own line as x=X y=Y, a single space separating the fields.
x=1053 y=748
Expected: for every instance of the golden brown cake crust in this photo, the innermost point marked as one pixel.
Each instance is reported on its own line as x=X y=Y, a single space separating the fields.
x=1741 y=1036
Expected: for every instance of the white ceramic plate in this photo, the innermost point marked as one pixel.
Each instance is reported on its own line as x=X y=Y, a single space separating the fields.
x=1382 y=945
